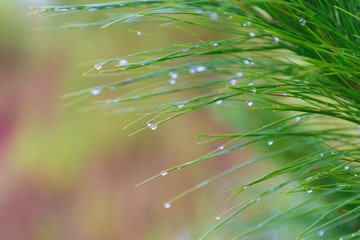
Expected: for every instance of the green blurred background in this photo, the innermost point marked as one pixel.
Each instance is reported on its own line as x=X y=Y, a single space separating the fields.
x=70 y=175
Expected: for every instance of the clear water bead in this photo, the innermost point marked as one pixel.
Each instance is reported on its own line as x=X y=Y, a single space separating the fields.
x=201 y=69
x=250 y=104
x=221 y=147
x=167 y=204
x=252 y=34
x=346 y=167
x=218 y=218
x=239 y=74
x=309 y=191
x=138 y=33
x=246 y=62
x=164 y=173
x=180 y=104
x=297 y=119
x=112 y=87
x=218 y=102
x=123 y=62
x=192 y=70
x=215 y=44
x=276 y=39
x=233 y=82
x=173 y=75
x=98 y=66
x=172 y=81
x=320 y=233
x=213 y=16
x=270 y=143
x=153 y=127
x=96 y=91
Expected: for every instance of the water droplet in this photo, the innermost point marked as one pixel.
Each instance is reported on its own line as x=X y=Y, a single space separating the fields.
x=308 y=178
x=358 y=127
x=98 y=66
x=258 y=200
x=297 y=119
x=218 y=102
x=96 y=91
x=112 y=87
x=248 y=23
x=218 y=218
x=215 y=44
x=172 y=81
x=199 y=11
x=93 y=9
x=73 y=8
x=230 y=16
x=233 y=82
x=221 y=147
x=246 y=62
x=353 y=234
x=213 y=16
x=201 y=69
x=164 y=173
x=355 y=175
x=321 y=154
x=253 y=90
x=276 y=39
x=192 y=70
x=302 y=21
x=245 y=187
x=341 y=238
x=239 y=74
x=270 y=143
x=251 y=83
x=138 y=33
x=250 y=104
x=180 y=104
x=167 y=204
x=123 y=62
x=309 y=191
x=153 y=127
x=252 y=34
x=173 y=75
x=320 y=233
x=346 y=167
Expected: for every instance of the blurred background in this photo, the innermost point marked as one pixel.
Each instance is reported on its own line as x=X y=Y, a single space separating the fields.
x=70 y=175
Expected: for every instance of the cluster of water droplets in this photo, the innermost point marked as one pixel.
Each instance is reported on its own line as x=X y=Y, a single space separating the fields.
x=173 y=76
x=302 y=21
x=151 y=126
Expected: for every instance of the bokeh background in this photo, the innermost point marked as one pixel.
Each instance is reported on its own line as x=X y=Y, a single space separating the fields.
x=66 y=174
